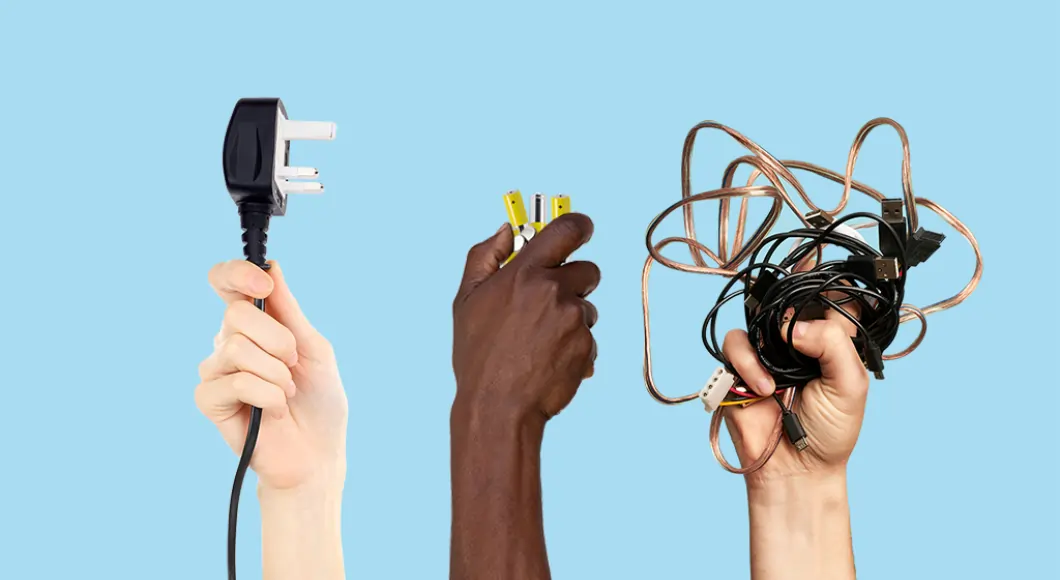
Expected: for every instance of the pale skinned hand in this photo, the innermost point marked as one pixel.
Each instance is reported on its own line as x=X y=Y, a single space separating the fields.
x=831 y=408
x=281 y=364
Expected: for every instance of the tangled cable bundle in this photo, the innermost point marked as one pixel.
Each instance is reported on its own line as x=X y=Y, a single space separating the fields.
x=867 y=288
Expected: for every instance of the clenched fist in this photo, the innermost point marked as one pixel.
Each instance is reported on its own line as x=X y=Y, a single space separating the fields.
x=522 y=341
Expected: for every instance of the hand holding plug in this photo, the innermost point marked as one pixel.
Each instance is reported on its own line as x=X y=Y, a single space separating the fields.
x=258 y=174
x=279 y=363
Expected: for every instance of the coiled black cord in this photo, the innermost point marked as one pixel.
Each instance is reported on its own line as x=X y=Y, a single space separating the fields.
x=254 y=219
x=778 y=294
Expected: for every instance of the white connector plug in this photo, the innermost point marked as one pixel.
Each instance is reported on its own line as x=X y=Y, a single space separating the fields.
x=287 y=131
x=716 y=388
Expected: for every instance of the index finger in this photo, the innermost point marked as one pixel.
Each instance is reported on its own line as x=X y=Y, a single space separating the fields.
x=557 y=241
x=239 y=280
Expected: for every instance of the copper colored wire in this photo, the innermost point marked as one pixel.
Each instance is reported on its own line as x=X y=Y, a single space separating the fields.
x=771 y=446
x=728 y=263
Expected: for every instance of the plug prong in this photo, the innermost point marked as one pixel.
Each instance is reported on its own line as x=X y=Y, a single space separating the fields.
x=297 y=172
x=307 y=130
x=290 y=187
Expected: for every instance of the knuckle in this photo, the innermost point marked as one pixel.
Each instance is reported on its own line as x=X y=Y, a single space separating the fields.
x=523 y=274
x=591 y=313
x=578 y=223
x=232 y=347
x=288 y=345
x=733 y=338
x=570 y=309
x=832 y=332
x=572 y=227
x=284 y=373
x=242 y=382
x=200 y=399
x=325 y=347
x=583 y=344
x=319 y=346
x=595 y=273
x=204 y=369
x=213 y=276
x=549 y=287
x=571 y=313
x=221 y=273
x=474 y=252
x=235 y=312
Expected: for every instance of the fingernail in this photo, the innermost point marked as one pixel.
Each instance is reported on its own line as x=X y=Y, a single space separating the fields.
x=800 y=328
x=503 y=227
x=764 y=387
x=293 y=360
x=291 y=389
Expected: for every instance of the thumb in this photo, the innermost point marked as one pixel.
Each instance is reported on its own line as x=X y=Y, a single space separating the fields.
x=485 y=258
x=282 y=306
x=829 y=342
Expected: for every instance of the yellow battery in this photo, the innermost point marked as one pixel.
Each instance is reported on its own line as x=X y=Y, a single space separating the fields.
x=513 y=203
x=560 y=205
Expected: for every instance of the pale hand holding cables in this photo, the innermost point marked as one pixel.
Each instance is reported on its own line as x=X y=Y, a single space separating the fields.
x=729 y=264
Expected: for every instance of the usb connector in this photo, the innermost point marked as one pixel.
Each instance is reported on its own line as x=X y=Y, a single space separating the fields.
x=794 y=431
x=874 y=267
x=886 y=269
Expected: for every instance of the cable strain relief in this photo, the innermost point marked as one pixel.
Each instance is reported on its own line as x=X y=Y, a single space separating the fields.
x=254 y=219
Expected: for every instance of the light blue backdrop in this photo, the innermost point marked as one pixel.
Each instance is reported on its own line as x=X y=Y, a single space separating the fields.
x=114 y=209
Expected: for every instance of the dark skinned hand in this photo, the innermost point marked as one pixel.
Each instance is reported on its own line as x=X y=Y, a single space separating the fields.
x=522 y=340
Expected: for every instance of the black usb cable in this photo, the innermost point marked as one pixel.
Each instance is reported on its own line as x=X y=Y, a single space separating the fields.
x=258 y=176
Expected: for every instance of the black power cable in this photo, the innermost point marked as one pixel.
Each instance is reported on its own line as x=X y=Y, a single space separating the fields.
x=256 y=161
x=254 y=219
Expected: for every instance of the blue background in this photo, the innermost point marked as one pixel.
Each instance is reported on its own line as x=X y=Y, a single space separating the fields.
x=114 y=209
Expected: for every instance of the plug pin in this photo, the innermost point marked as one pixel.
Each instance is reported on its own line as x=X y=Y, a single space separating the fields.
x=297 y=172
x=307 y=130
x=290 y=187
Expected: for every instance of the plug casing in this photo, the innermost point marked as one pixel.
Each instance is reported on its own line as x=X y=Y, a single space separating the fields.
x=257 y=151
x=250 y=153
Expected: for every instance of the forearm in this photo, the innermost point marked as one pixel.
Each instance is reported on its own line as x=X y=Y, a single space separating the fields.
x=497 y=529
x=800 y=529
x=302 y=532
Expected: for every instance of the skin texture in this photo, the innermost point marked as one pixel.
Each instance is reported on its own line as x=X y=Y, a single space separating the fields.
x=797 y=502
x=522 y=346
x=280 y=363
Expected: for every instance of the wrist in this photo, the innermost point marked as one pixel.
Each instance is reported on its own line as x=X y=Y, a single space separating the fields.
x=301 y=530
x=821 y=486
x=327 y=480
x=474 y=412
x=497 y=529
x=800 y=526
